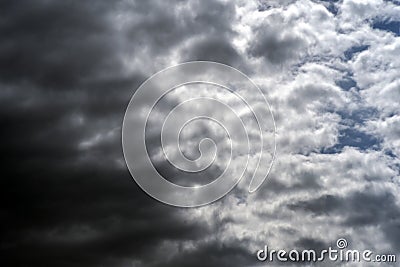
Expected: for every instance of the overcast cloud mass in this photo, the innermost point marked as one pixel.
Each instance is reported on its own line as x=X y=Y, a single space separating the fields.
x=330 y=70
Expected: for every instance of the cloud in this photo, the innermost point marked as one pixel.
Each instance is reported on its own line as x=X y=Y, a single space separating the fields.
x=328 y=68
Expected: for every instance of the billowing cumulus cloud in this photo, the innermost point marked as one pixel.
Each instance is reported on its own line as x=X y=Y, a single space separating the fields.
x=330 y=70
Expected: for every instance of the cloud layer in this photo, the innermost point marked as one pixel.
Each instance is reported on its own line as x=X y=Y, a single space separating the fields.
x=330 y=70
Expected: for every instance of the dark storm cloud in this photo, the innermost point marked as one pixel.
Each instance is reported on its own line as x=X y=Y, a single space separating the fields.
x=87 y=218
x=55 y=44
x=214 y=253
x=69 y=201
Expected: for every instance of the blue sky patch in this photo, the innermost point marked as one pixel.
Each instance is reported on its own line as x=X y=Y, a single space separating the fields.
x=351 y=137
x=330 y=5
x=346 y=83
x=357 y=116
x=395 y=2
x=387 y=25
x=355 y=138
x=349 y=53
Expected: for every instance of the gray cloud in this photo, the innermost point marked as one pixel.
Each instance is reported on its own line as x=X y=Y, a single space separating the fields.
x=275 y=46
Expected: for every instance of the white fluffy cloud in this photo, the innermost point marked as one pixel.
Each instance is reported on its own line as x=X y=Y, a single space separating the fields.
x=299 y=53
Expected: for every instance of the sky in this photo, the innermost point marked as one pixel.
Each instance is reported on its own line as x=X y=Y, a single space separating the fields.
x=329 y=69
